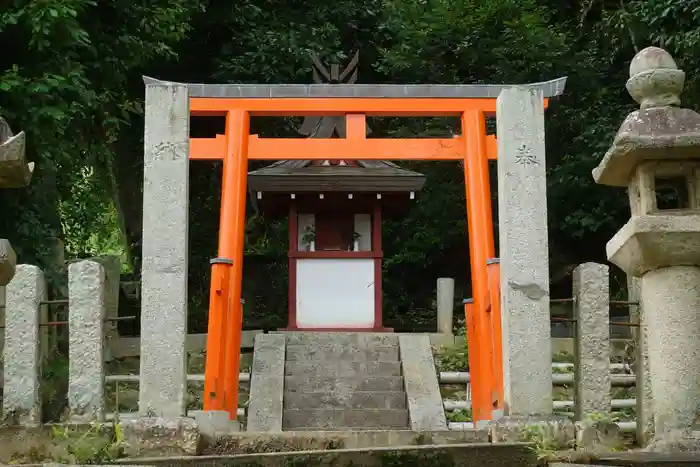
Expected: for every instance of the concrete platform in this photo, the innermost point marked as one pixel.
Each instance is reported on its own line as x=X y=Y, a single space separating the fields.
x=246 y=442
x=462 y=455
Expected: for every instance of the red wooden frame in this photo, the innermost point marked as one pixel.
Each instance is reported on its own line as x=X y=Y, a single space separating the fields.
x=376 y=253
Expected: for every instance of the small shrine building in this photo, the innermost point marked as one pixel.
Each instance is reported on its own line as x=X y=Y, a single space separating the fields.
x=335 y=210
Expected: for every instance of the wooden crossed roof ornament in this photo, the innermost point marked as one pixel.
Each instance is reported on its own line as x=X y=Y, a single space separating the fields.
x=327 y=127
x=358 y=176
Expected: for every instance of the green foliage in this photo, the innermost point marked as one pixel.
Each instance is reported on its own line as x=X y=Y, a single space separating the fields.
x=453 y=358
x=54 y=387
x=73 y=444
x=65 y=81
x=460 y=415
x=544 y=440
x=71 y=79
x=97 y=445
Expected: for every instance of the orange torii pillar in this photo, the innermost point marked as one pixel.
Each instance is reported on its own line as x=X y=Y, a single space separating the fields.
x=225 y=307
x=238 y=103
x=481 y=248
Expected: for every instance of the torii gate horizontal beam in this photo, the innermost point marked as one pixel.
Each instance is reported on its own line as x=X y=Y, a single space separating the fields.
x=393 y=149
x=332 y=106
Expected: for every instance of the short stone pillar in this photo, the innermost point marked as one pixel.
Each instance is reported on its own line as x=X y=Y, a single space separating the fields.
x=266 y=402
x=656 y=155
x=445 y=304
x=592 y=346
x=524 y=253
x=86 y=374
x=21 y=401
x=163 y=372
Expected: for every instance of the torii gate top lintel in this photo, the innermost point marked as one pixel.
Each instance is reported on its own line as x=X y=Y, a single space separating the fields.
x=341 y=99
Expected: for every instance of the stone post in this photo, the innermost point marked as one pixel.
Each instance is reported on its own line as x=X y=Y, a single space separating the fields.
x=163 y=386
x=522 y=214
x=86 y=374
x=654 y=154
x=445 y=304
x=592 y=343
x=21 y=399
x=425 y=406
x=266 y=403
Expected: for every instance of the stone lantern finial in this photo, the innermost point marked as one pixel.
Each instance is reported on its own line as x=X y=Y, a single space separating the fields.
x=655 y=80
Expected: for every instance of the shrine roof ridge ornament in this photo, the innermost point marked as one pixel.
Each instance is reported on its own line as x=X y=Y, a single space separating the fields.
x=550 y=88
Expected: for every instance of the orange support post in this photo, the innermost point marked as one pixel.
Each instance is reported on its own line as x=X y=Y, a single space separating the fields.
x=216 y=340
x=232 y=228
x=479 y=219
x=494 y=271
x=225 y=310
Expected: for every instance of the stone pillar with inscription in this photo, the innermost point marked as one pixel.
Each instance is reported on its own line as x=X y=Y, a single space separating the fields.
x=524 y=259
x=163 y=385
x=524 y=254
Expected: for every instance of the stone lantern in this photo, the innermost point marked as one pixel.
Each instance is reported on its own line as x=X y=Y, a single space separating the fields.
x=656 y=155
x=15 y=172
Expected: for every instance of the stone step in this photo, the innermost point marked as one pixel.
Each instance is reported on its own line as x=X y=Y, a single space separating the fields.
x=350 y=418
x=343 y=368
x=345 y=399
x=304 y=353
x=357 y=339
x=339 y=385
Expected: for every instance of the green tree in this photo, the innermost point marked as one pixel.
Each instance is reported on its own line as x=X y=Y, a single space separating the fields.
x=65 y=80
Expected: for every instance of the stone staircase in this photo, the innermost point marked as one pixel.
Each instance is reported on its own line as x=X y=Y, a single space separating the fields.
x=343 y=382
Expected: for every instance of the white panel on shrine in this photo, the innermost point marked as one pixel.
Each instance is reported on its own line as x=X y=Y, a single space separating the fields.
x=335 y=293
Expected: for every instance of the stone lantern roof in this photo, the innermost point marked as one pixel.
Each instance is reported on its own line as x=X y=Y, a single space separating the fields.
x=14 y=173
x=660 y=129
x=656 y=153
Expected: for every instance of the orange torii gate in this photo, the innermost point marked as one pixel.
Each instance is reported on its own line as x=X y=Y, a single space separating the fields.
x=238 y=103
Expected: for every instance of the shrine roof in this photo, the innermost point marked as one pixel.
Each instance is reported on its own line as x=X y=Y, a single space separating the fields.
x=299 y=176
